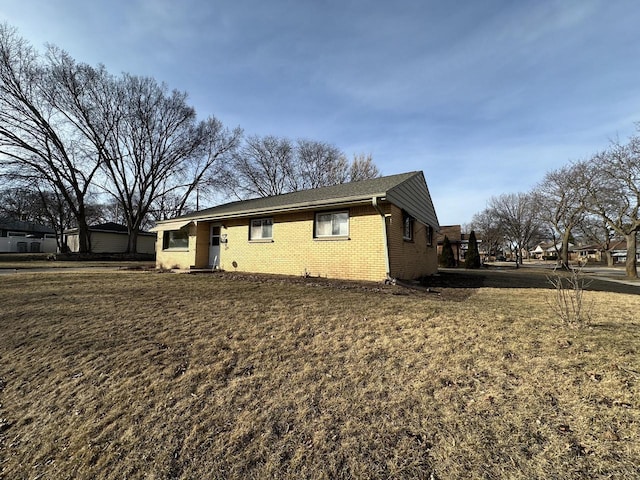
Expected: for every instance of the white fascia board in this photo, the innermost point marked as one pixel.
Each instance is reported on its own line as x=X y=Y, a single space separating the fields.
x=169 y=225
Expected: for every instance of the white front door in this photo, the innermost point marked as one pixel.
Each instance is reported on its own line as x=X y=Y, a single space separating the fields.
x=214 y=247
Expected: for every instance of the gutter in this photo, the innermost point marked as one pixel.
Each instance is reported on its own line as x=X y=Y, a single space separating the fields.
x=374 y=203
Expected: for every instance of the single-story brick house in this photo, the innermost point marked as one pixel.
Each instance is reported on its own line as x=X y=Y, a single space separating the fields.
x=374 y=230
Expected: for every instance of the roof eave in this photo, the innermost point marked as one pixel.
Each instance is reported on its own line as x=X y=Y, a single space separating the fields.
x=337 y=203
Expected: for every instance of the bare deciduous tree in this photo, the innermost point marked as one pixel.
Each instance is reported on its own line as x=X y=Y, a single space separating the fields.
x=318 y=164
x=77 y=128
x=147 y=138
x=594 y=229
x=611 y=180
x=200 y=172
x=558 y=197
x=489 y=229
x=516 y=213
x=38 y=143
x=22 y=203
x=157 y=149
x=362 y=168
x=265 y=166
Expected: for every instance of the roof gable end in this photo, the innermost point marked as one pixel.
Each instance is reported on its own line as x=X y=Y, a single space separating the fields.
x=412 y=195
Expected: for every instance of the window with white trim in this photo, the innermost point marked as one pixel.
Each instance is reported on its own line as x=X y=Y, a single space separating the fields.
x=261 y=229
x=177 y=239
x=332 y=224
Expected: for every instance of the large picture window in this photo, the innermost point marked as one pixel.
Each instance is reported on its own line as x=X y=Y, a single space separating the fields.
x=332 y=224
x=261 y=229
x=175 y=239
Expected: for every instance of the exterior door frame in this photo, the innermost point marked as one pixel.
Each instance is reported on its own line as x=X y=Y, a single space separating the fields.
x=214 y=245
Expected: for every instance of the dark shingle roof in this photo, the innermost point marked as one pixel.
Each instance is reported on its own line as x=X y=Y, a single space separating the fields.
x=406 y=190
x=11 y=224
x=109 y=227
x=452 y=232
x=345 y=192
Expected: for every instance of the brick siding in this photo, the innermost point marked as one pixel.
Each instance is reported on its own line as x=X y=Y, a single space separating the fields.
x=293 y=250
x=409 y=259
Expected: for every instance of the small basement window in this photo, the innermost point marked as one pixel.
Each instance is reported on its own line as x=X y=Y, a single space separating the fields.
x=332 y=224
x=178 y=239
x=261 y=229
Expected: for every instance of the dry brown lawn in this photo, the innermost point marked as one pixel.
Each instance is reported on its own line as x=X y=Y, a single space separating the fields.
x=146 y=375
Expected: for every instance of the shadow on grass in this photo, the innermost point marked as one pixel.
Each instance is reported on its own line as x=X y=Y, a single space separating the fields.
x=520 y=278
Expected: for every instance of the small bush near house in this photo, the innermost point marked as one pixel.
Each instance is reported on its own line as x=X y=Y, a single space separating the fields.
x=472 y=259
x=447 y=259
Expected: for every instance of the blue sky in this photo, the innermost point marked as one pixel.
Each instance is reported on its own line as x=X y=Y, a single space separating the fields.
x=483 y=96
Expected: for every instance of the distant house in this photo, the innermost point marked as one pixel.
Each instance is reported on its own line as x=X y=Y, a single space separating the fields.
x=618 y=251
x=370 y=230
x=110 y=237
x=459 y=241
x=26 y=237
x=549 y=251
x=454 y=234
x=589 y=253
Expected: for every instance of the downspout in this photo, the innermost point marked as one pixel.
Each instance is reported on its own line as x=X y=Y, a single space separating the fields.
x=374 y=203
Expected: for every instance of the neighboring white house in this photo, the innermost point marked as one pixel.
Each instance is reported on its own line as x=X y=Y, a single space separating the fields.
x=26 y=237
x=111 y=238
x=548 y=251
x=618 y=251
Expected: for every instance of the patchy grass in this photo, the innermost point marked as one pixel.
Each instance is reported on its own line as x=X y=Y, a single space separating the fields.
x=147 y=375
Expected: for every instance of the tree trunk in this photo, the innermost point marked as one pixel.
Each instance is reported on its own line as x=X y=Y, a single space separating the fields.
x=609 y=258
x=84 y=236
x=133 y=230
x=84 y=242
x=60 y=243
x=132 y=244
x=631 y=265
x=564 y=253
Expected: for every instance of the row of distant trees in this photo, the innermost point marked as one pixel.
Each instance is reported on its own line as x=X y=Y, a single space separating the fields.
x=592 y=200
x=77 y=142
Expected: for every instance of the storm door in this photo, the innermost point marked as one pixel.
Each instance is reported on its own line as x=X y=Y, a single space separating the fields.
x=214 y=247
